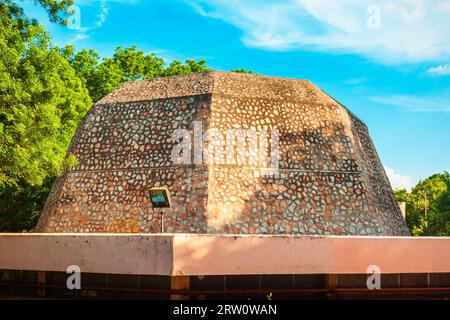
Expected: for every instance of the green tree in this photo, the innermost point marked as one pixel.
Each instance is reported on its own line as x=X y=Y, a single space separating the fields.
x=428 y=206
x=101 y=76
x=41 y=103
x=58 y=10
x=190 y=66
x=242 y=71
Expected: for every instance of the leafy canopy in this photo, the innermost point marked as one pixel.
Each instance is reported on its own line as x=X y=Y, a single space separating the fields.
x=41 y=102
x=101 y=76
x=58 y=10
x=433 y=196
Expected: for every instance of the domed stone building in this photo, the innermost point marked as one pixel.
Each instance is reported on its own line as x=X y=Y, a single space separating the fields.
x=238 y=153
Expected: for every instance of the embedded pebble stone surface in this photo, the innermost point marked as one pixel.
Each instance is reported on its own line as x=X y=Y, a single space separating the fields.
x=330 y=180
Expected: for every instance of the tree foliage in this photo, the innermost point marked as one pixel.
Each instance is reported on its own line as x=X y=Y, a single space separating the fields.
x=101 y=76
x=41 y=103
x=436 y=202
x=58 y=10
x=242 y=71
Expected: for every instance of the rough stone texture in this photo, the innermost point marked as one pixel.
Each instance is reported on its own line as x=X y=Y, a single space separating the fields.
x=330 y=178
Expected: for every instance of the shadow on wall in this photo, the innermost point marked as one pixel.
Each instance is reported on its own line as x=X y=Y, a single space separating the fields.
x=328 y=183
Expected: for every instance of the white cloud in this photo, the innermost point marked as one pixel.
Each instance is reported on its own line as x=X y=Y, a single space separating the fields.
x=398 y=181
x=80 y=29
x=79 y=37
x=355 y=81
x=441 y=70
x=410 y=30
x=103 y=14
x=101 y=17
x=415 y=103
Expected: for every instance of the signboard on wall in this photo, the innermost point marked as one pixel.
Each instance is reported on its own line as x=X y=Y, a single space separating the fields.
x=159 y=197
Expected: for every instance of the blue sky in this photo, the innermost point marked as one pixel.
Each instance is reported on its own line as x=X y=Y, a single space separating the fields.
x=387 y=61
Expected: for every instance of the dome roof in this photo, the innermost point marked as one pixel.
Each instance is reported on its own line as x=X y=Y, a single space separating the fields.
x=239 y=153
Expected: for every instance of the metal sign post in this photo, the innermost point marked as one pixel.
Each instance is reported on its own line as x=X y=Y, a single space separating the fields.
x=162 y=221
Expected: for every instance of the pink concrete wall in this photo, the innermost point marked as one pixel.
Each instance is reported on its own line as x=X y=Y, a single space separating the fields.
x=106 y=253
x=194 y=254
x=202 y=254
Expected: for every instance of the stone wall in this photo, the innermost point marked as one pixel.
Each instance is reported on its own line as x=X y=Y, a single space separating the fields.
x=329 y=181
